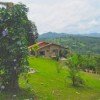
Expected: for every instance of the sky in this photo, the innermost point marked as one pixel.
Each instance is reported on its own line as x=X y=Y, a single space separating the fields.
x=64 y=16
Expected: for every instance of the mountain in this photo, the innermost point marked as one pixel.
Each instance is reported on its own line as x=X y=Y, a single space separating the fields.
x=77 y=43
x=57 y=35
x=52 y=35
x=93 y=34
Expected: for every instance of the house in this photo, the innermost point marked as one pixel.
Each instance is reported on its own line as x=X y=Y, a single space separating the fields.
x=49 y=50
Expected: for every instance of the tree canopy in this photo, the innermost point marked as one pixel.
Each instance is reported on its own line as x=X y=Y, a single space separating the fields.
x=15 y=29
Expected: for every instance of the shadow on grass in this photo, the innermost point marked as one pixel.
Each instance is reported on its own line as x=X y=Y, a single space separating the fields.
x=22 y=94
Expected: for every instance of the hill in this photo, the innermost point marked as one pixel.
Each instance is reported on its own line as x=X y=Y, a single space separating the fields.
x=51 y=35
x=57 y=35
x=47 y=84
x=93 y=35
x=77 y=43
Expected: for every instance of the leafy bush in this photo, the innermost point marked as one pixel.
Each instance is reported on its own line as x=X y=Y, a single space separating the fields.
x=74 y=75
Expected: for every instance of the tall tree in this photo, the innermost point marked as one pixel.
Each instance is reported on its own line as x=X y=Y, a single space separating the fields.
x=13 y=44
x=32 y=32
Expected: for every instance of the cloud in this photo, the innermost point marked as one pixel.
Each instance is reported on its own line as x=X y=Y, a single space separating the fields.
x=70 y=16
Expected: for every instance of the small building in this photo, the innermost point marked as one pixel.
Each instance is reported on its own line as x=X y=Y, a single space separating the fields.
x=50 y=50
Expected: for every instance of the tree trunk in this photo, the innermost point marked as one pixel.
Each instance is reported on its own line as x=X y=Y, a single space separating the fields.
x=73 y=80
x=12 y=84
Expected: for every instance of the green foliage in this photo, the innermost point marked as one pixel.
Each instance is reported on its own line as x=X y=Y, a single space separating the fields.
x=32 y=32
x=47 y=84
x=97 y=67
x=87 y=61
x=13 y=44
x=73 y=64
x=90 y=62
x=34 y=49
x=77 y=43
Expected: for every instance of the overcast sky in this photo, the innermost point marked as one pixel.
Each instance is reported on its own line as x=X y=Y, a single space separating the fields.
x=69 y=16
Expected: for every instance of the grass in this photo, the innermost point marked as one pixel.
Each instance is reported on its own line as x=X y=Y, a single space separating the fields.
x=48 y=84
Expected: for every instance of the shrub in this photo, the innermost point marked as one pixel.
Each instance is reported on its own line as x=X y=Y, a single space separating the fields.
x=74 y=75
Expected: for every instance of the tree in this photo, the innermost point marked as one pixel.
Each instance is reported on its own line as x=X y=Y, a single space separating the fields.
x=35 y=49
x=87 y=62
x=13 y=45
x=97 y=68
x=73 y=64
x=32 y=32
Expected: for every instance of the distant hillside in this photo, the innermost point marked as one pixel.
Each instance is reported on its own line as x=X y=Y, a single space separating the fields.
x=93 y=35
x=77 y=43
x=52 y=35
x=57 y=35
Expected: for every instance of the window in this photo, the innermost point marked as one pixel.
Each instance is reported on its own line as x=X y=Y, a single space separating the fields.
x=47 y=50
x=55 y=51
x=42 y=53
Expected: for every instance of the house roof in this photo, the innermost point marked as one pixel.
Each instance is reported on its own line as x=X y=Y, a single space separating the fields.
x=45 y=44
x=41 y=44
x=52 y=44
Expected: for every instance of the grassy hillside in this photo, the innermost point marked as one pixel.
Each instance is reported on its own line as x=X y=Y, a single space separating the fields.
x=47 y=84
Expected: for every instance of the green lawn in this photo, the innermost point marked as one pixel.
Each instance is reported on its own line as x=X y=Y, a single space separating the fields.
x=48 y=84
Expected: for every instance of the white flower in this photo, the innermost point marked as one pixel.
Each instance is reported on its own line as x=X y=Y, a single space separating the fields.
x=5 y=32
x=14 y=95
x=2 y=87
x=15 y=60
x=14 y=68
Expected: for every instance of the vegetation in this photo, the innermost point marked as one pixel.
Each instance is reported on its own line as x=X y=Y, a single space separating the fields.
x=45 y=79
x=34 y=49
x=14 y=30
x=76 y=43
x=47 y=84
x=73 y=64
x=32 y=33
x=89 y=63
